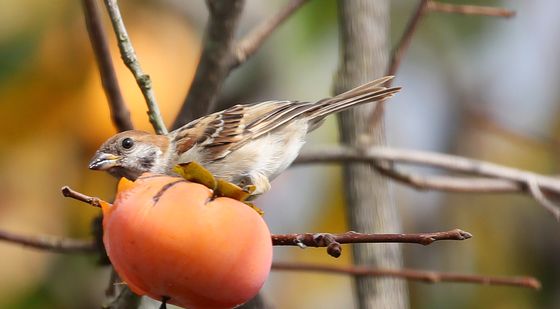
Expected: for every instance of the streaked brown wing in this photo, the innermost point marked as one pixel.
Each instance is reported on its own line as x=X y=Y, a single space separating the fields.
x=236 y=126
x=223 y=132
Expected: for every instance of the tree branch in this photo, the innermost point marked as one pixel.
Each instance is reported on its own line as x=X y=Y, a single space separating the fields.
x=254 y=40
x=333 y=241
x=364 y=45
x=220 y=54
x=50 y=243
x=435 y=6
x=397 y=55
x=129 y=57
x=451 y=183
x=424 y=7
x=57 y=244
x=68 y=192
x=410 y=274
x=215 y=60
x=404 y=42
x=501 y=177
x=119 y=112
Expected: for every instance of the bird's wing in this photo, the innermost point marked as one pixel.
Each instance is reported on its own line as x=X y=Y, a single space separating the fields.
x=223 y=132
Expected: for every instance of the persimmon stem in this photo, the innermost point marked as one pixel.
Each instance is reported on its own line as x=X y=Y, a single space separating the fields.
x=164 y=300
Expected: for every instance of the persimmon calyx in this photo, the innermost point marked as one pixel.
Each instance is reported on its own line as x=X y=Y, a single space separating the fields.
x=195 y=172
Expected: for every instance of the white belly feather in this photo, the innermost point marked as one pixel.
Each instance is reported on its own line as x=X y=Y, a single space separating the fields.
x=269 y=154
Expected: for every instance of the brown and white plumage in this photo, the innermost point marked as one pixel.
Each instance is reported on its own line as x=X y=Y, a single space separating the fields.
x=244 y=144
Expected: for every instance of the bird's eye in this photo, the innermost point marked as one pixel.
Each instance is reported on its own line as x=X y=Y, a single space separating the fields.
x=127 y=143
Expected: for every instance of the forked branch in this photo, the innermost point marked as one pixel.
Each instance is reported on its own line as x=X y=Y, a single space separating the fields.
x=499 y=178
x=221 y=54
x=333 y=241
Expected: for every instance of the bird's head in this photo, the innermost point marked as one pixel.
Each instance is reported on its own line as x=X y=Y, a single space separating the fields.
x=131 y=153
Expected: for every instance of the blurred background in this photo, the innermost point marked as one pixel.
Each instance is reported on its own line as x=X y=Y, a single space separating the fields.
x=480 y=87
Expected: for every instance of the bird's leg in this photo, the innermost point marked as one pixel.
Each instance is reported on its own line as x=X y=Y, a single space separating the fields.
x=260 y=182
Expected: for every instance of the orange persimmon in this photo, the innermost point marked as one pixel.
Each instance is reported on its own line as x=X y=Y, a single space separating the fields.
x=167 y=238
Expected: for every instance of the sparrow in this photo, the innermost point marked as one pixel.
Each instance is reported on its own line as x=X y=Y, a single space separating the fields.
x=245 y=144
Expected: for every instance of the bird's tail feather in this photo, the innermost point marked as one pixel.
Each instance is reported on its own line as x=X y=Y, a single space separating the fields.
x=373 y=91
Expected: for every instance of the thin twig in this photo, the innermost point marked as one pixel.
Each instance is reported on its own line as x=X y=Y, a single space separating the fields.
x=214 y=64
x=404 y=42
x=424 y=7
x=119 y=112
x=397 y=55
x=129 y=57
x=221 y=55
x=470 y=9
x=333 y=241
x=411 y=274
x=539 y=196
x=254 y=40
x=68 y=192
x=381 y=155
x=451 y=183
x=50 y=243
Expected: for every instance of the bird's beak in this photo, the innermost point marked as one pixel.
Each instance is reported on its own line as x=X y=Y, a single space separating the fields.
x=103 y=161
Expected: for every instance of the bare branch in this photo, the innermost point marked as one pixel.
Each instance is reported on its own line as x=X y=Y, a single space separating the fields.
x=253 y=41
x=451 y=183
x=215 y=60
x=424 y=7
x=50 y=243
x=93 y=201
x=397 y=55
x=119 y=112
x=406 y=38
x=364 y=44
x=411 y=274
x=221 y=55
x=469 y=9
x=129 y=57
x=333 y=241
x=539 y=197
x=380 y=156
